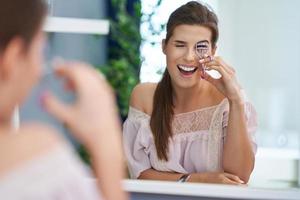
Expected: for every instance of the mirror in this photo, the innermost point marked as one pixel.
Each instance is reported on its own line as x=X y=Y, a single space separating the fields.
x=260 y=39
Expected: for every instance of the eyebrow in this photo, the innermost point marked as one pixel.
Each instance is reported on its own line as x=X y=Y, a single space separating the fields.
x=183 y=42
x=180 y=41
x=203 y=41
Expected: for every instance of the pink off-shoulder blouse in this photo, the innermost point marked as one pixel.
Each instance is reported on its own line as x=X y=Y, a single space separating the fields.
x=57 y=174
x=197 y=143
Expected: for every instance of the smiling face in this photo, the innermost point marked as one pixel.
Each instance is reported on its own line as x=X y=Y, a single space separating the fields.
x=182 y=59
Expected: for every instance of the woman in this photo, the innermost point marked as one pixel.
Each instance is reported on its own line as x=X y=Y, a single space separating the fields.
x=35 y=162
x=190 y=126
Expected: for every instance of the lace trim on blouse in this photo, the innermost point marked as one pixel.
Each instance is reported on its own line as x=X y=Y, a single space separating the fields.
x=193 y=121
x=188 y=122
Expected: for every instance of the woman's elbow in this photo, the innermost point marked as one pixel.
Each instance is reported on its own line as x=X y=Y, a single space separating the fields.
x=243 y=173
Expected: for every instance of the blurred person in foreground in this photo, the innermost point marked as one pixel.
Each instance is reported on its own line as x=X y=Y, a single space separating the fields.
x=35 y=162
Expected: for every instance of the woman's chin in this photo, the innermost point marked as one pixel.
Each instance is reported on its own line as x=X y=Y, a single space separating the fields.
x=188 y=83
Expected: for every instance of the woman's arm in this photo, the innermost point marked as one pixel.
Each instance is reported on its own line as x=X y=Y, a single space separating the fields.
x=238 y=157
x=152 y=174
x=207 y=177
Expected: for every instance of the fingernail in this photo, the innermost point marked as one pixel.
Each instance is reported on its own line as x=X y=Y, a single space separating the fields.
x=201 y=61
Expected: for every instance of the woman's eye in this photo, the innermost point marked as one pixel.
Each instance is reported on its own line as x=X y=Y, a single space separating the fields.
x=202 y=47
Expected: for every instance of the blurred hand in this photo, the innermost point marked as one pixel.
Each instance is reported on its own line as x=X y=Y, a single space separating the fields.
x=94 y=113
x=93 y=120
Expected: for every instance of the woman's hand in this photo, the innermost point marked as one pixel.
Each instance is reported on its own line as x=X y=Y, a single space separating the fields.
x=93 y=115
x=94 y=121
x=227 y=84
x=216 y=177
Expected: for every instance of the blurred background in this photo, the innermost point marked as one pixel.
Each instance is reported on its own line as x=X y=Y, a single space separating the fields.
x=122 y=38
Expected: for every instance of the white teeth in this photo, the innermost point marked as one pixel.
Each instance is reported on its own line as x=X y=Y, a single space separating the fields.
x=188 y=69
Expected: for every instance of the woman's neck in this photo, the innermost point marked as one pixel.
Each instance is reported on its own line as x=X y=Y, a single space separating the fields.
x=5 y=126
x=187 y=99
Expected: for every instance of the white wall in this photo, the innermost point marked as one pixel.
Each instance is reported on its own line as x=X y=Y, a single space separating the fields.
x=261 y=40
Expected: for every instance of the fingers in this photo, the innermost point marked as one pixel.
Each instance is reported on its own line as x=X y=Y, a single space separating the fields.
x=80 y=77
x=70 y=75
x=231 y=182
x=225 y=65
x=56 y=108
x=206 y=59
x=210 y=61
x=217 y=65
x=234 y=178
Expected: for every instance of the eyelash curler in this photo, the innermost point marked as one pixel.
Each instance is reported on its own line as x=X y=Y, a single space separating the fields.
x=201 y=49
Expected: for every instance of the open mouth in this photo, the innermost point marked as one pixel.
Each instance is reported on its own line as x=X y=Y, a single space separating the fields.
x=187 y=70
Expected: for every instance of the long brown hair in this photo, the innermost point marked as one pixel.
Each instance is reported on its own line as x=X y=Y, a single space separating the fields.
x=192 y=13
x=20 y=18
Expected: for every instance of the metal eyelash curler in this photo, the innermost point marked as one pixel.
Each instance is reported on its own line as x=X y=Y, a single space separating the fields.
x=202 y=49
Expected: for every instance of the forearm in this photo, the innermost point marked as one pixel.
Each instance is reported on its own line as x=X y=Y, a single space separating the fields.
x=152 y=174
x=238 y=156
x=108 y=165
x=205 y=177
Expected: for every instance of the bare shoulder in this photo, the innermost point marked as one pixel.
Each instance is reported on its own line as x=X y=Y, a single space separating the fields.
x=29 y=142
x=142 y=97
